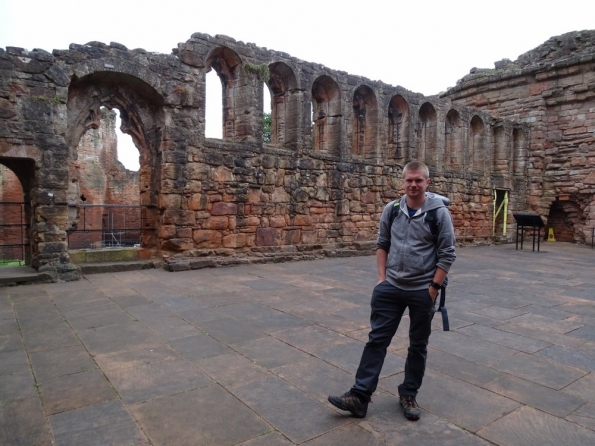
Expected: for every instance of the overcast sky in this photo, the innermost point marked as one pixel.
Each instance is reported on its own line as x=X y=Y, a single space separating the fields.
x=424 y=46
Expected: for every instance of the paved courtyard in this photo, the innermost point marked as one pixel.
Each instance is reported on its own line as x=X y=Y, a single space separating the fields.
x=247 y=356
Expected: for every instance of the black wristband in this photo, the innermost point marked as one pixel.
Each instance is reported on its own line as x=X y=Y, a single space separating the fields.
x=435 y=285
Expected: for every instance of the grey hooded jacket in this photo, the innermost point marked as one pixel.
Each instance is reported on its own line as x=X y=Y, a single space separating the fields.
x=413 y=251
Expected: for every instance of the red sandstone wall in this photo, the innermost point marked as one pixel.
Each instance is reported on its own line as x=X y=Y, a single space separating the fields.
x=552 y=88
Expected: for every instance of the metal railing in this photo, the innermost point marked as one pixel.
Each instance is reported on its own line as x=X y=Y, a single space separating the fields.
x=13 y=233
x=110 y=225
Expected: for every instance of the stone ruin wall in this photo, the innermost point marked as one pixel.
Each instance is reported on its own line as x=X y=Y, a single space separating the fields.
x=318 y=188
x=100 y=177
x=551 y=88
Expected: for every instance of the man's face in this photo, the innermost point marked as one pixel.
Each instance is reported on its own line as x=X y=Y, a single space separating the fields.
x=415 y=184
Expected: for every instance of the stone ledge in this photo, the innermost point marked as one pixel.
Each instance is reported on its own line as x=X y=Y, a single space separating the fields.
x=116 y=267
x=193 y=263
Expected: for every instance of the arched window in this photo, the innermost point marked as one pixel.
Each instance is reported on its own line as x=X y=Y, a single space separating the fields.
x=226 y=64
x=426 y=133
x=453 y=139
x=477 y=146
x=398 y=129
x=501 y=152
x=365 y=119
x=519 y=144
x=284 y=105
x=326 y=115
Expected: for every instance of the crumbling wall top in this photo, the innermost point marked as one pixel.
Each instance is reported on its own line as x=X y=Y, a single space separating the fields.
x=557 y=52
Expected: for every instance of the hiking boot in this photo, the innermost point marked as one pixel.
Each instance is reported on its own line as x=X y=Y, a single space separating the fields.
x=410 y=407
x=350 y=402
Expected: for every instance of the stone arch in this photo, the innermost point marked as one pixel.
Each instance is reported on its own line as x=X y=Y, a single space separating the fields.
x=226 y=64
x=453 y=140
x=501 y=153
x=284 y=105
x=327 y=117
x=566 y=219
x=427 y=126
x=365 y=123
x=18 y=202
x=477 y=143
x=142 y=116
x=519 y=151
x=398 y=129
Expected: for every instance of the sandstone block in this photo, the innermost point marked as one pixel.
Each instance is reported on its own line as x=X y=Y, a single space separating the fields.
x=222 y=208
x=179 y=217
x=184 y=233
x=197 y=202
x=170 y=201
x=217 y=223
x=237 y=240
x=292 y=237
x=302 y=220
x=277 y=221
x=266 y=237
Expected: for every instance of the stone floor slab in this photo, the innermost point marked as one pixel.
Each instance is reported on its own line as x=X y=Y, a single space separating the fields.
x=144 y=354
x=504 y=338
x=23 y=423
x=544 y=322
x=539 y=370
x=60 y=362
x=12 y=362
x=497 y=312
x=316 y=378
x=75 y=391
x=463 y=404
x=577 y=357
x=540 y=397
x=198 y=347
x=17 y=386
x=117 y=338
x=460 y=368
x=385 y=419
x=191 y=418
x=156 y=379
x=469 y=347
x=100 y=318
x=583 y=387
x=309 y=338
x=585 y=416
x=542 y=334
x=104 y=424
x=232 y=370
x=280 y=403
x=347 y=357
x=349 y=435
x=528 y=426
x=270 y=352
x=230 y=331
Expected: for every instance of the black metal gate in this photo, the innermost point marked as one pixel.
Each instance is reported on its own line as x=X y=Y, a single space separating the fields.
x=110 y=225
x=13 y=233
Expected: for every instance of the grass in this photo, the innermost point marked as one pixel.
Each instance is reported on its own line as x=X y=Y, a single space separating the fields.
x=11 y=263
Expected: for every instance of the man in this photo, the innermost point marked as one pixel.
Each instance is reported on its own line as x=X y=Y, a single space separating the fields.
x=412 y=265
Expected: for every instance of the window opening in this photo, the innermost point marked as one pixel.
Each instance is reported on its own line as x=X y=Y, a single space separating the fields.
x=267 y=117
x=213 y=106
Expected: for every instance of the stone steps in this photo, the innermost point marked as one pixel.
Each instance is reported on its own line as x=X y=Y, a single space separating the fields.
x=116 y=267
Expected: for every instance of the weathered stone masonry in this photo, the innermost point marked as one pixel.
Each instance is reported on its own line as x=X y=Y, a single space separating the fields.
x=551 y=88
x=339 y=142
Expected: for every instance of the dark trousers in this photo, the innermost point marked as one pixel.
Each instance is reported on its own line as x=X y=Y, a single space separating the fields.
x=388 y=305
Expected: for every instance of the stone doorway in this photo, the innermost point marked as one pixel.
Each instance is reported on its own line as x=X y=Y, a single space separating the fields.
x=564 y=219
x=16 y=178
x=96 y=176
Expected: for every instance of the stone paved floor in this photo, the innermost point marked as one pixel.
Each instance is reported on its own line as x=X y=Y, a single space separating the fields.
x=247 y=355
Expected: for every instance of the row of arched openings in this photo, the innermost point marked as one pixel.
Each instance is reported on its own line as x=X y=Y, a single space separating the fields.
x=401 y=143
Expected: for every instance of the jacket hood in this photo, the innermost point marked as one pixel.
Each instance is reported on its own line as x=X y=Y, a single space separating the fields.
x=433 y=201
